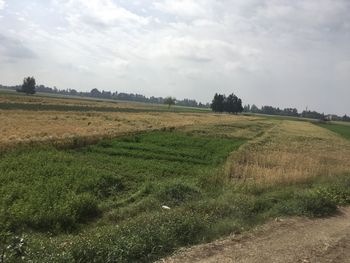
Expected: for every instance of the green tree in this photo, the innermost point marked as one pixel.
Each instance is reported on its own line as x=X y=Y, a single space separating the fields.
x=95 y=93
x=233 y=104
x=169 y=101
x=254 y=109
x=28 y=86
x=218 y=102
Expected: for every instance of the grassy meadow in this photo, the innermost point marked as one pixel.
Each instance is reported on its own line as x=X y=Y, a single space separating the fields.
x=100 y=192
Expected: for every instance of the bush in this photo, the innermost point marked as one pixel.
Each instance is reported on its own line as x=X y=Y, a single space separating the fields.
x=316 y=204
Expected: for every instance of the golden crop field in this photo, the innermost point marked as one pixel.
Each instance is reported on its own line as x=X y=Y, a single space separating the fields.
x=291 y=151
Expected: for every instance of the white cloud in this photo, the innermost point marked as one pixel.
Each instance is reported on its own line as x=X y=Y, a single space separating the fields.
x=281 y=52
x=183 y=8
x=2 y=4
x=100 y=13
x=199 y=50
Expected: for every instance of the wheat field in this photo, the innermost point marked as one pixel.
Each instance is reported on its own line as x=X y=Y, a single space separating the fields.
x=21 y=127
x=289 y=152
x=10 y=97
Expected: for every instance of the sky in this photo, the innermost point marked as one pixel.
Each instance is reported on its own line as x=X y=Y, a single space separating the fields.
x=268 y=52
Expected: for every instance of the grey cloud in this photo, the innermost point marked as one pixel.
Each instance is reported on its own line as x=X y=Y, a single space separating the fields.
x=279 y=52
x=13 y=49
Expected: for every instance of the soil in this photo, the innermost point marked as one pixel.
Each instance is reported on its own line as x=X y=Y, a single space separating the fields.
x=281 y=240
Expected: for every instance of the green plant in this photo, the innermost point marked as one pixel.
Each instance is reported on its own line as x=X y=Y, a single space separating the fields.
x=315 y=203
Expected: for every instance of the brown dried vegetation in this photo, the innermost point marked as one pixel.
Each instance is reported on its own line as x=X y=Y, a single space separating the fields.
x=290 y=152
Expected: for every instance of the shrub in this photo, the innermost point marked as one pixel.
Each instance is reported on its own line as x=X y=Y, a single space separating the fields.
x=316 y=204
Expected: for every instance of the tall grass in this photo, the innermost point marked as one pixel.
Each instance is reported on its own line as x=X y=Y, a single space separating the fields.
x=291 y=152
x=148 y=236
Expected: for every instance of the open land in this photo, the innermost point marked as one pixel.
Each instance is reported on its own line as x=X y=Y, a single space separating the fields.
x=96 y=185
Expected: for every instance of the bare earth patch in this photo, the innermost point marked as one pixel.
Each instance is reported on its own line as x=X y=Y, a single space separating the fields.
x=285 y=240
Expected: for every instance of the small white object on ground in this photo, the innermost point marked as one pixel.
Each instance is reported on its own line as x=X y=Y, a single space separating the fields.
x=165 y=207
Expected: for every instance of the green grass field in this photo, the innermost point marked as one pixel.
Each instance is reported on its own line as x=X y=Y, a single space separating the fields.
x=341 y=129
x=103 y=203
x=52 y=190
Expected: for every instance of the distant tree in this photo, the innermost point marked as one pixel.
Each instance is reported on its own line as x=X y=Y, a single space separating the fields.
x=218 y=103
x=238 y=106
x=95 y=93
x=231 y=104
x=73 y=92
x=28 y=86
x=345 y=118
x=246 y=108
x=187 y=103
x=312 y=115
x=169 y=101
x=254 y=109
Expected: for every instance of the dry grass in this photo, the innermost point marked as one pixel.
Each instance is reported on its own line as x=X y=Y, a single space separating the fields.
x=70 y=101
x=291 y=152
x=21 y=127
x=246 y=128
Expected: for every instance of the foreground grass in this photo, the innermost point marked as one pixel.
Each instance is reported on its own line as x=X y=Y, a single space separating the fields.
x=103 y=203
x=64 y=191
x=55 y=190
x=147 y=237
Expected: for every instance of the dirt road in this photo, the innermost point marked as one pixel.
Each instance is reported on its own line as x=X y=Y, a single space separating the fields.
x=287 y=240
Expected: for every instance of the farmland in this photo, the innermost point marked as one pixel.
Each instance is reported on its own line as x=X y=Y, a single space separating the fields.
x=63 y=126
x=91 y=186
x=341 y=129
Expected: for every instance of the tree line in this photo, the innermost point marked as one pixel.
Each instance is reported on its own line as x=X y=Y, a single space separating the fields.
x=29 y=87
x=293 y=112
x=220 y=103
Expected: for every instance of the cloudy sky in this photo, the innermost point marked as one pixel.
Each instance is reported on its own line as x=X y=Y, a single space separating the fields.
x=269 y=52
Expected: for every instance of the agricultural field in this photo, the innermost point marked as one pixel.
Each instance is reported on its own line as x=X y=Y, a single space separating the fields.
x=342 y=129
x=135 y=186
x=60 y=125
x=12 y=100
x=293 y=151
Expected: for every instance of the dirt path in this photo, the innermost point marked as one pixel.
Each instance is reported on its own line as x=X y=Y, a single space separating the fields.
x=288 y=240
